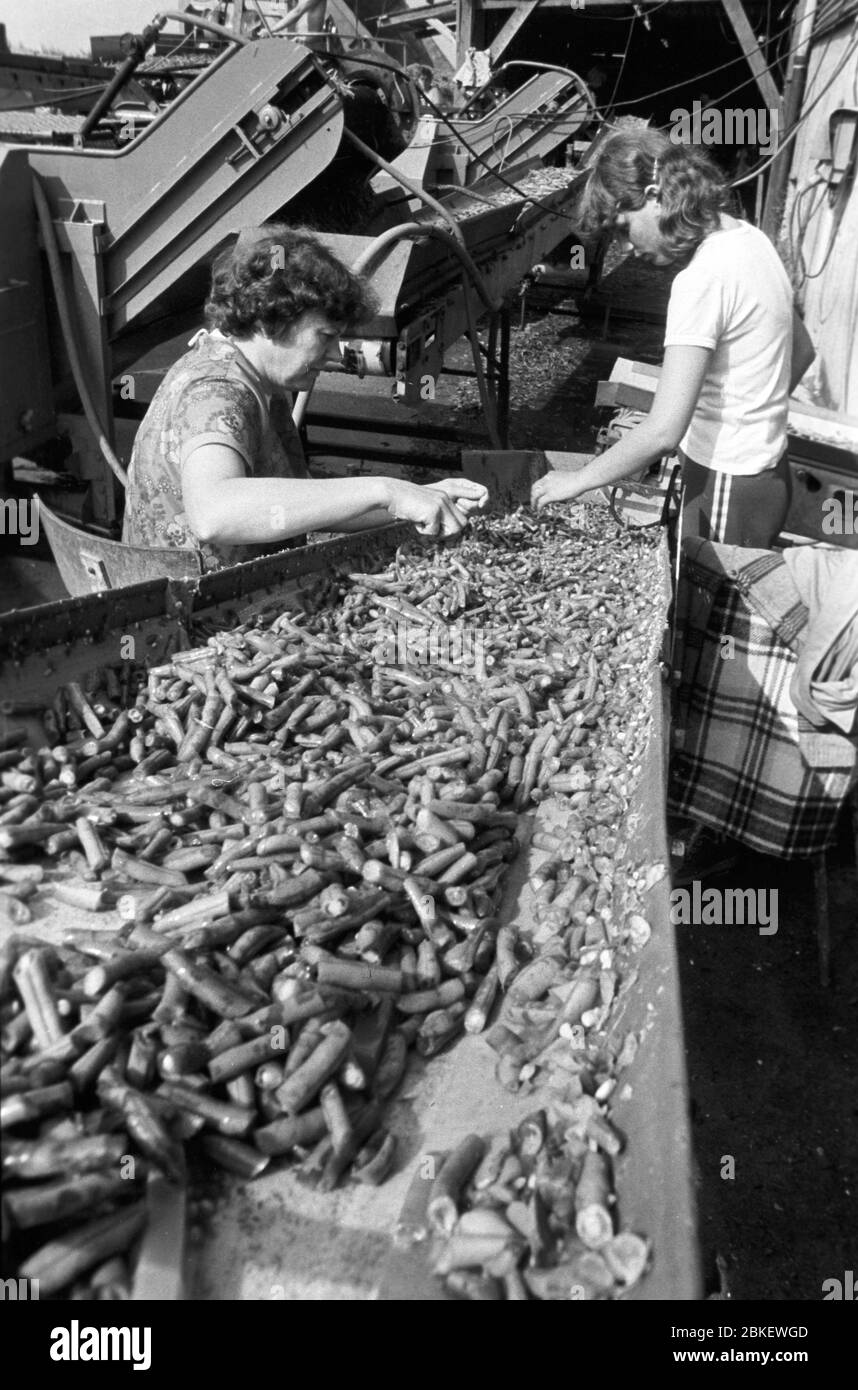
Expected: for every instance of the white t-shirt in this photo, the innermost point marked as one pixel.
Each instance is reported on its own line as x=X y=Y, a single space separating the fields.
x=735 y=297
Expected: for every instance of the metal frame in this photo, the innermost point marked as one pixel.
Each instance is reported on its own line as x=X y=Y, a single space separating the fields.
x=43 y=649
x=233 y=149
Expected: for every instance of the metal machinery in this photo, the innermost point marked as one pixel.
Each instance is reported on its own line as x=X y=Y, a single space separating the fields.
x=127 y=235
x=73 y=637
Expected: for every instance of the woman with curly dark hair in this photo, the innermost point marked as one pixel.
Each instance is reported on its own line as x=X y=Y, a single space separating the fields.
x=209 y=471
x=734 y=346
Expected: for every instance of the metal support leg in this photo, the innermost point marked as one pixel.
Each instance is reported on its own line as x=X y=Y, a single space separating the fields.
x=492 y=360
x=823 y=923
x=503 y=377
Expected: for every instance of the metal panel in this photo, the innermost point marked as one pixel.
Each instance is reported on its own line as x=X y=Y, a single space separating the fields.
x=820 y=230
x=505 y=242
x=823 y=476
x=655 y=1181
x=203 y=170
x=26 y=407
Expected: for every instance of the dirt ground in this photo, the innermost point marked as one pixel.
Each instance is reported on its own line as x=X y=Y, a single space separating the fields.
x=772 y=1058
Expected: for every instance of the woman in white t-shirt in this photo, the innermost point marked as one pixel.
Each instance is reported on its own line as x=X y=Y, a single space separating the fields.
x=734 y=346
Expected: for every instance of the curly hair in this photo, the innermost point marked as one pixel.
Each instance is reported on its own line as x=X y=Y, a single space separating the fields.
x=692 y=188
x=274 y=274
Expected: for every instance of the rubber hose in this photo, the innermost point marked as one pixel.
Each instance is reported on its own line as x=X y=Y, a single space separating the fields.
x=482 y=387
x=408 y=184
x=411 y=231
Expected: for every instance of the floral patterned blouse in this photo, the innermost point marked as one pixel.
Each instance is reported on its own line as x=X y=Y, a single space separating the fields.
x=212 y=395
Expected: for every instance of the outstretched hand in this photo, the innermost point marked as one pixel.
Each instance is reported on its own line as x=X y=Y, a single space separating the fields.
x=467 y=495
x=429 y=508
x=556 y=486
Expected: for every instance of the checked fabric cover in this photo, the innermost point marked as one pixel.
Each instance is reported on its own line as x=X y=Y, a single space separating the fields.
x=746 y=763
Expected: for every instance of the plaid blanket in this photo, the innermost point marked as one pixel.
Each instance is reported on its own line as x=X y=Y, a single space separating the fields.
x=745 y=762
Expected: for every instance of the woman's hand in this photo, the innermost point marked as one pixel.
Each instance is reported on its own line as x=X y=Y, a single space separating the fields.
x=429 y=508
x=467 y=495
x=557 y=486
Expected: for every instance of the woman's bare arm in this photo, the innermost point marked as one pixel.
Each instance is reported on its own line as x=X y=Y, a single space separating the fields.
x=803 y=351
x=676 y=397
x=226 y=507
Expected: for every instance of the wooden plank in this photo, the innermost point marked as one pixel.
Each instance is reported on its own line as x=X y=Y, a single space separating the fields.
x=519 y=17
x=347 y=22
x=470 y=27
x=403 y=20
x=745 y=35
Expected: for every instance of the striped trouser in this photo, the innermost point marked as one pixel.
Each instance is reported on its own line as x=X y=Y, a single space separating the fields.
x=747 y=511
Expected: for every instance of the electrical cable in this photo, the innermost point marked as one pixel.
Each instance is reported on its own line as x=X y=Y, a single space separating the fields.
x=55 y=101
x=489 y=410
x=186 y=38
x=74 y=91
x=739 y=86
x=456 y=134
x=475 y=155
x=432 y=203
x=508 y=183
x=535 y=202
x=545 y=118
x=622 y=67
x=796 y=243
x=538 y=67
x=795 y=230
x=697 y=77
x=624 y=19
x=791 y=134
x=510 y=131
x=46 y=227
x=815 y=274
x=466 y=193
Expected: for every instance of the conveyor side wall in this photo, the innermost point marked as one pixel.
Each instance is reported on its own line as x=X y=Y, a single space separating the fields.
x=42 y=649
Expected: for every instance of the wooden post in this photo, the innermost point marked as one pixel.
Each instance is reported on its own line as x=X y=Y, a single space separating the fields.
x=470 y=28
x=519 y=17
x=750 y=47
x=796 y=77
